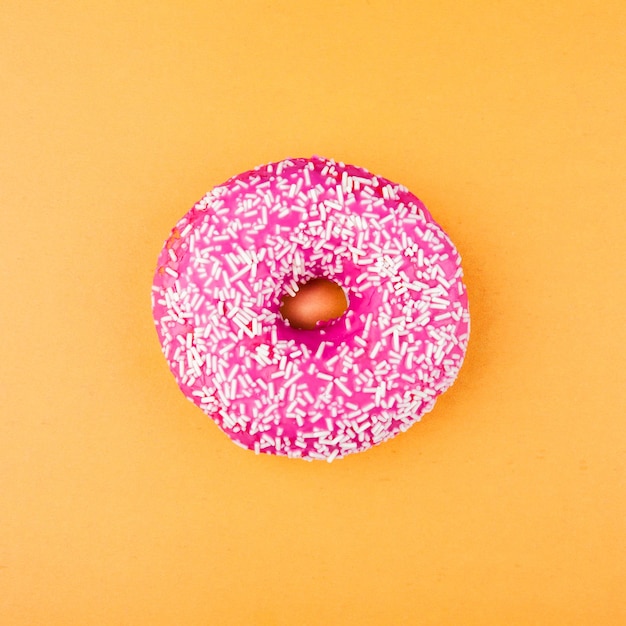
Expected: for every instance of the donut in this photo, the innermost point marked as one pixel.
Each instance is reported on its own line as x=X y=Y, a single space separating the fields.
x=385 y=335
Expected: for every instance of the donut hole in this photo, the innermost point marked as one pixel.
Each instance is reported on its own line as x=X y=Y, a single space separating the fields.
x=318 y=301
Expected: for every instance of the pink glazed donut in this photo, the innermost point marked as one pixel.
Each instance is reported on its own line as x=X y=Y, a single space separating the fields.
x=349 y=383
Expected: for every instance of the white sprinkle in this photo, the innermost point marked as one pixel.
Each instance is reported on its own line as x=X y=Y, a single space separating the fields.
x=342 y=386
x=375 y=350
x=333 y=455
x=396 y=341
x=423 y=319
x=293 y=379
x=360 y=341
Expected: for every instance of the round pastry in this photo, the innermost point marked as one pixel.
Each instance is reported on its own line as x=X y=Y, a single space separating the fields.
x=310 y=308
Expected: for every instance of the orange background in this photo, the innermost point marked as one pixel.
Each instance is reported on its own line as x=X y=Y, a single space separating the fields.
x=122 y=504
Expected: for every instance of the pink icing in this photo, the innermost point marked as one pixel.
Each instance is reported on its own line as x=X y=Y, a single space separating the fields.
x=348 y=385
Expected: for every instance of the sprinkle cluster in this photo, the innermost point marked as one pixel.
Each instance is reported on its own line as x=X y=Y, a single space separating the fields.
x=348 y=385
